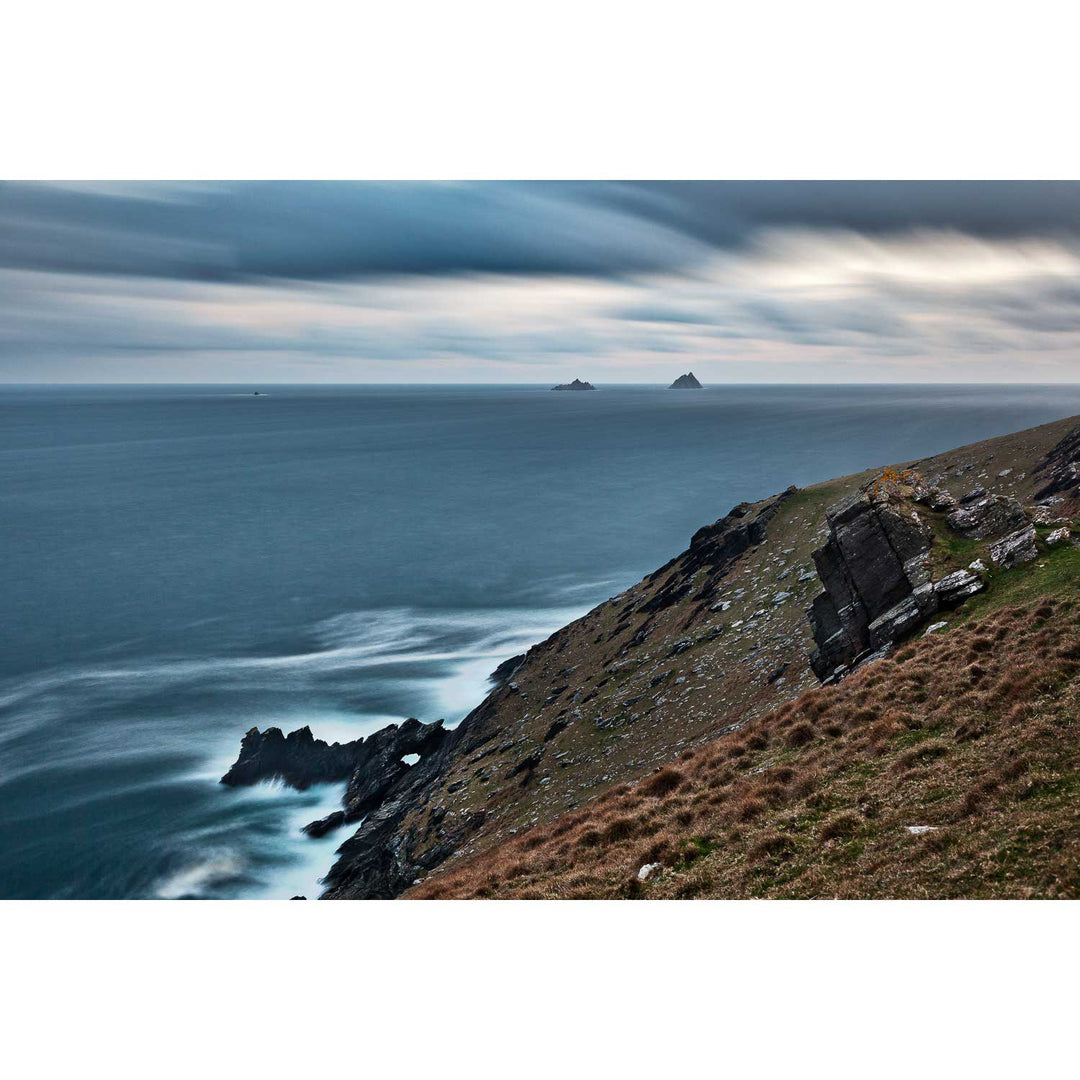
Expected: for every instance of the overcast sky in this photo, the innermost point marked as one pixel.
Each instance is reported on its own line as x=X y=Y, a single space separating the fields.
x=539 y=282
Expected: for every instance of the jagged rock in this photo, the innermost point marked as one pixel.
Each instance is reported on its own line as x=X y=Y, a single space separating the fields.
x=870 y=565
x=298 y=758
x=934 y=627
x=379 y=766
x=895 y=623
x=1016 y=548
x=978 y=567
x=994 y=515
x=972 y=496
x=1060 y=469
x=324 y=825
x=1058 y=536
x=956 y=587
x=712 y=548
x=940 y=499
x=685 y=382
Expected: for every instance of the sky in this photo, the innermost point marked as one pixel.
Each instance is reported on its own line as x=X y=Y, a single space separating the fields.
x=500 y=282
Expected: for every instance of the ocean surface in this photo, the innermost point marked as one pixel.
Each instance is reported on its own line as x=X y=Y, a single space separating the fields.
x=178 y=564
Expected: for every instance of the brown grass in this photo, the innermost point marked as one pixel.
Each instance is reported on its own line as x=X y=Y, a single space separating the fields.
x=973 y=731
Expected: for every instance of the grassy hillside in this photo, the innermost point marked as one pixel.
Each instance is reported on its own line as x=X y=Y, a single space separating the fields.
x=949 y=770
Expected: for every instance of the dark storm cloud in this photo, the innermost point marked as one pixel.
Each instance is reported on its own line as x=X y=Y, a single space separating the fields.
x=728 y=213
x=326 y=230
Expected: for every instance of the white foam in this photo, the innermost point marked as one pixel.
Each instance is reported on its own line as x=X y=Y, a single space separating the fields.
x=195 y=880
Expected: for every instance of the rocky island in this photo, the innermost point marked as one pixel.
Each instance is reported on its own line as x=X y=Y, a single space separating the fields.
x=577 y=384
x=686 y=382
x=863 y=688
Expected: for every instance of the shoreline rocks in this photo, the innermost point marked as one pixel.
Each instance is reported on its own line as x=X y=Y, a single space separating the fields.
x=297 y=758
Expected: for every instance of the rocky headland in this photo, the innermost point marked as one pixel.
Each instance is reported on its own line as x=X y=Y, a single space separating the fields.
x=723 y=654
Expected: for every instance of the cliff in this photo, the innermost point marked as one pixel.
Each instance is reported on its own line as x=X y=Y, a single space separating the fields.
x=709 y=650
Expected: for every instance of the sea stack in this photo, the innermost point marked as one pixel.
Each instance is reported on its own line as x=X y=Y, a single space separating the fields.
x=685 y=382
x=577 y=384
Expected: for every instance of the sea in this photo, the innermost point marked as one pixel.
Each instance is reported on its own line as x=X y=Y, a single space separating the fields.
x=179 y=564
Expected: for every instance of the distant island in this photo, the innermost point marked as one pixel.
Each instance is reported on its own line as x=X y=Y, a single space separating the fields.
x=577 y=384
x=685 y=382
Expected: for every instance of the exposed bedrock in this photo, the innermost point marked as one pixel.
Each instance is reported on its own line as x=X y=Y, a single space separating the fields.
x=374 y=767
x=297 y=758
x=1060 y=469
x=713 y=548
x=877 y=584
x=981 y=516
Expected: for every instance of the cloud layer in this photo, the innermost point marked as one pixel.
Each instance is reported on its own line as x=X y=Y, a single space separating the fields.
x=763 y=282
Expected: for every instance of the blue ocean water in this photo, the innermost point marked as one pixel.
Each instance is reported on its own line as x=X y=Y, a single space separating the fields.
x=178 y=564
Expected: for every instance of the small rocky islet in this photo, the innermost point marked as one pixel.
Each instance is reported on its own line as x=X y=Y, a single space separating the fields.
x=808 y=589
x=686 y=382
x=577 y=384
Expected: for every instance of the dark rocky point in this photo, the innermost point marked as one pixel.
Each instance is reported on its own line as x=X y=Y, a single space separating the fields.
x=298 y=758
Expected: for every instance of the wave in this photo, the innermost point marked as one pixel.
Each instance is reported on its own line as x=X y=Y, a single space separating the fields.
x=196 y=881
x=127 y=738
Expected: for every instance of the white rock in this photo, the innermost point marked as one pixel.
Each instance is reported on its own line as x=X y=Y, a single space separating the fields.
x=978 y=566
x=647 y=869
x=916 y=830
x=1004 y=472
x=934 y=626
x=1058 y=536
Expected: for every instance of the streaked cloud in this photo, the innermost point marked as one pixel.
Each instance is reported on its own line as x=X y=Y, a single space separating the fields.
x=515 y=281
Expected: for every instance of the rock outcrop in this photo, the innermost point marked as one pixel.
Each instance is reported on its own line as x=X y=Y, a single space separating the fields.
x=374 y=767
x=686 y=382
x=1016 y=548
x=980 y=516
x=877 y=586
x=577 y=384
x=1060 y=469
x=298 y=758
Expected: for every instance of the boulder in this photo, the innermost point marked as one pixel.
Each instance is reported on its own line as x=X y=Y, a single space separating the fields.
x=995 y=515
x=940 y=499
x=1016 y=548
x=1058 y=536
x=956 y=587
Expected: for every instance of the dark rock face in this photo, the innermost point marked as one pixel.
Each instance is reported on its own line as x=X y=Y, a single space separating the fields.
x=373 y=766
x=383 y=857
x=1060 y=470
x=982 y=518
x=685 y=382
x=299 y=759
x=577 y=384
x=877 y=587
